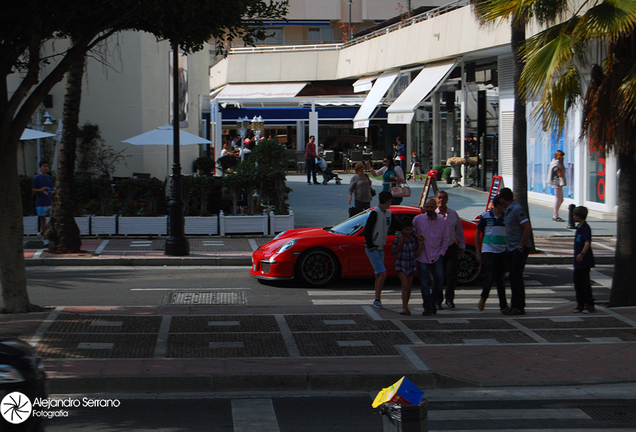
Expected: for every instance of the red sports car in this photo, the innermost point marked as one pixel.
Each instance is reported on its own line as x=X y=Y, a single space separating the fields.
x=318 y=256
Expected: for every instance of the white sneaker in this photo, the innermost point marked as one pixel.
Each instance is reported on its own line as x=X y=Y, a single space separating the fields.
x=46 y=242
x=41 y=236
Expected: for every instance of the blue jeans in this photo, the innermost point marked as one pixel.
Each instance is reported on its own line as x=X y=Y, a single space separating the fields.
x=424 y=272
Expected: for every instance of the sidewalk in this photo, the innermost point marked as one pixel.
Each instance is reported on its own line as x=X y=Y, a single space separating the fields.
x=241 y=348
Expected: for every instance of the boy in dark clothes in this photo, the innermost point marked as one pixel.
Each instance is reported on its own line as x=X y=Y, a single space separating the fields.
x=583 y=262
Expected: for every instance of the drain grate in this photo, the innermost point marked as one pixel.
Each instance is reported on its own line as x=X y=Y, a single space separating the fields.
x=611 y=413
x=205 y=298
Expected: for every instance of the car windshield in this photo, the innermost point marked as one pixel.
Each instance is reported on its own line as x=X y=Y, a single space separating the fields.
x=351 y=225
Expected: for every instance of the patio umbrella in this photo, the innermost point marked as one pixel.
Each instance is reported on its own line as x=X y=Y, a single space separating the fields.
x=163 y=135
x=30 y=134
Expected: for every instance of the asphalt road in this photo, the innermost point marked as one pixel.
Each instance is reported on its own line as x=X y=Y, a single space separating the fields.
x=343 y=413
x=547 y=286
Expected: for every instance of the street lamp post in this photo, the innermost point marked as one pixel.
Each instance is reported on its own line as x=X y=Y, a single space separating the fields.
x=176 y=243
x=257 y=127
x=243 y=125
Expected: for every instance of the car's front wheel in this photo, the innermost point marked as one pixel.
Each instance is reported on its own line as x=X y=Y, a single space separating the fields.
x=318 y=267
x=468 y=268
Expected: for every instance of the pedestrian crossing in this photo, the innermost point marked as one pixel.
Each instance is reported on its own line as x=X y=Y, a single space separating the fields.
x=538 y=297
x=260 y=414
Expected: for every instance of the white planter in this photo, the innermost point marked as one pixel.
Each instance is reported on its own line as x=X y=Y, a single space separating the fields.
x=103 y=225
x=134 y=225
x=243 y=224
x=280 y=223
x=83 y=223
x=202 y=225
x=30 y=225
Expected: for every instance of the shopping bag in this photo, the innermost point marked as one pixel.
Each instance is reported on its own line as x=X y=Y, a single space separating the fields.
x=401 y=191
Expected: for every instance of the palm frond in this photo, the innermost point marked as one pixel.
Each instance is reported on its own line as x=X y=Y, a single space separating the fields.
x=563 y=94
x=608 y=19
x=627 y=95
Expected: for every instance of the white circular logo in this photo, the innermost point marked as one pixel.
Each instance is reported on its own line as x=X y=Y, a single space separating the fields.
x=15 y=407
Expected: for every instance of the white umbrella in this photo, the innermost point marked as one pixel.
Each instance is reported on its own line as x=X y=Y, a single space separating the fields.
x=30 y=134
x=164 y=135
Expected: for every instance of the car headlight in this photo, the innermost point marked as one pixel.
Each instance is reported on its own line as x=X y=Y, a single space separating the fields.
x=9 y=374
x=288 y=244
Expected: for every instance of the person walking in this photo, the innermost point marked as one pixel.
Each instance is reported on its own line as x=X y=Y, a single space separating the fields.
x=310 y=159
x=434 y=232
x=392 y=175
x=518 y=236
x=557 y=179
x=375 y=233
x=456 y=247
x=400 y=154
x=42 y=187
x=583 y=262
x=360 y=188
x=406 y=248
x=490 y=246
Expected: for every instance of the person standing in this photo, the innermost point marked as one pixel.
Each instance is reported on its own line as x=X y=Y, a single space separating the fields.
x=583 y=262
x=435 y=235
x=490 y=246
x=360 y=187
x=456 y=247
x=375 y=233
x=310 y=159
x=557 y=179
x=406 y=248
x=415 y=167
x=400 y=154
x=392 y=175
x=518 y=235
x=42 y=186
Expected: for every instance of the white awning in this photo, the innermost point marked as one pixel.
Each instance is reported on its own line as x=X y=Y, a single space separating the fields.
x=382 y=84
x=403 y=109
x=364 y=84
x=233 y=92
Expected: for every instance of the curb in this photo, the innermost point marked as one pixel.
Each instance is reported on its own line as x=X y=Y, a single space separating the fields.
x=236 y=383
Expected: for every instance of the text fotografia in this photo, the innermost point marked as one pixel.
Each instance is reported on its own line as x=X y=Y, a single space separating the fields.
x=85 y=402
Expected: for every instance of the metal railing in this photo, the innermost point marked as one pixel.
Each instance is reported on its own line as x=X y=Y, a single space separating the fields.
x=409 y=21
x=457 y=4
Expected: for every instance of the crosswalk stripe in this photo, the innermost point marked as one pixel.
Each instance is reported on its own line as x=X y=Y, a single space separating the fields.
x=508 y=414
x=463 y=293
x=390 y=300
x=254 y=415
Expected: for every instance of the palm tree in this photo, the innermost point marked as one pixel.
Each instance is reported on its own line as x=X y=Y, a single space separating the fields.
x=519 y=13
x=557 y=59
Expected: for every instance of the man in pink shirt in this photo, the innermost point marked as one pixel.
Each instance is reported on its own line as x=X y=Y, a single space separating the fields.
x=430 y=262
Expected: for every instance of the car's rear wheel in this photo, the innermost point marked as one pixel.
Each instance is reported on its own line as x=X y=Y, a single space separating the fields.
x=318 y=267
x=468 y=268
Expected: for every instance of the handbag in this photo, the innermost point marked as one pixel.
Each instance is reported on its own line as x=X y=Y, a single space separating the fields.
x=401 y=191
x=372 y=190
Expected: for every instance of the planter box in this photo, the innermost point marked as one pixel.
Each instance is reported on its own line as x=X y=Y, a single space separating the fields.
x=30 y=225
x=84 y=224
x=243 y=224
x=280 y=223
x=202 y=225
x=103 y=225
x=133 y=225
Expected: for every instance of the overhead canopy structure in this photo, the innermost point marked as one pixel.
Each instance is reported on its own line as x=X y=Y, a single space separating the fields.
x=364 y=84
x=163 y=135
x=233 y=92
x=426 y=82
x=382 y=84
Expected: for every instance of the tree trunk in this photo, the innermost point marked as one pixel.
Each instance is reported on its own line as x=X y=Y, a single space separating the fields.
x=623 y=292
x=13 y=274
x=63 y=233
x=519 y=134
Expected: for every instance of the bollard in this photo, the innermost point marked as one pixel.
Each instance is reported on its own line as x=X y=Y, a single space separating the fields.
x=405 y=418
x=571 y=224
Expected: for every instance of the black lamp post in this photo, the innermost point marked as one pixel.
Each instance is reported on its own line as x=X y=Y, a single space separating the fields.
x=177 y=243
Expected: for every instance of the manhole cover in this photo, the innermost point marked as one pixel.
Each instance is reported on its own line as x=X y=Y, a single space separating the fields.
x=205 y=298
